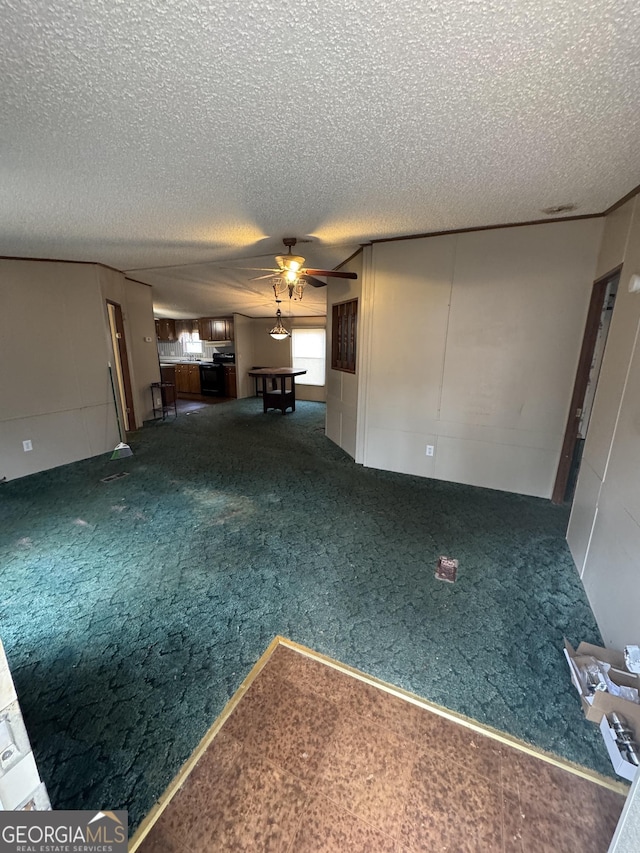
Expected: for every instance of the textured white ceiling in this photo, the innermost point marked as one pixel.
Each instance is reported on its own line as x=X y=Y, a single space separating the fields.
x=157 y=133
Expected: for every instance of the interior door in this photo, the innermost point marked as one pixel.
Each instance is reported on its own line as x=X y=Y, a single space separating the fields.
x=589 y=363
x=121 y=366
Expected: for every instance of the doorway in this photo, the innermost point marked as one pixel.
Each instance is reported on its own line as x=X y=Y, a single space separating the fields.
x=603 y=298
x=121 y=366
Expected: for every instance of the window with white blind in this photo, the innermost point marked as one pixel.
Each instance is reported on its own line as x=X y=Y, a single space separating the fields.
x=308 y=353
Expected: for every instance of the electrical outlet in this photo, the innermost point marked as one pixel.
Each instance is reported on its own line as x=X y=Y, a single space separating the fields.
x=26 y=445
x=429 y=449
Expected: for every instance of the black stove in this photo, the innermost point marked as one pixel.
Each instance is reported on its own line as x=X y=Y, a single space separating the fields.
x=224 y=358
x=212 y=374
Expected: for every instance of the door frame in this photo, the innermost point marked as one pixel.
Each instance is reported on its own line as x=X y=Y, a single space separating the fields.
x=123 y=376
x=592 y=325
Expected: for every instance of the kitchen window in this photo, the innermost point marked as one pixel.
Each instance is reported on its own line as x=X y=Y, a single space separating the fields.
x=308 y=348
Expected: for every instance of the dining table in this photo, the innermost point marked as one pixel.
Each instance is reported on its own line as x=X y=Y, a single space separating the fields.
x=278 y=387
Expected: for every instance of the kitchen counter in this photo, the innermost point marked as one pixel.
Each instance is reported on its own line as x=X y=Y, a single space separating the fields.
x=167 y=363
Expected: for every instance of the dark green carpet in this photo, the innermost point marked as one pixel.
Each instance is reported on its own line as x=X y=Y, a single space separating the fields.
x=132 y=611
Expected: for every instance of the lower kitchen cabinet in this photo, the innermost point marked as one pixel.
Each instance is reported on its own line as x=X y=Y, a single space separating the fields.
x=194 y=378
x=230 y=383
x=168 y=374
x=188 y=378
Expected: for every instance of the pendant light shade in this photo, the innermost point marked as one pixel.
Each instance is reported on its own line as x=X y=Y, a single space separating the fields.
x=279 y=333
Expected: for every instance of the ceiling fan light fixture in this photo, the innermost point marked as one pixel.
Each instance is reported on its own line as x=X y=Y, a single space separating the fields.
x=290 y=262
x=291 y=275
x=284 y=281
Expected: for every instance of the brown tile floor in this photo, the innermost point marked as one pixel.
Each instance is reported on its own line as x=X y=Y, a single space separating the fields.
x=313 y=759
x=194 y=402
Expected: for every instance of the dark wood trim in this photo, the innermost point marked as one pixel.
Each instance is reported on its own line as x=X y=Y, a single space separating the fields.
x=61 y=261
x=623 y=200
x=137 y=281
x=124 y=364
x=351 y=257
x=490 y=227
x=609 y=274
x=580 y=387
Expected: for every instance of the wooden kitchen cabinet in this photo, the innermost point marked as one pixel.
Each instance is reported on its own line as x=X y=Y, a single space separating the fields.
x=215 y=328
x=188 y=378
x=220 y=329
x=194 y=378
x=182 y=378
x=166 y=330
x=230 y=382
x=188 y=326
x=204 y=329
x=168 y=374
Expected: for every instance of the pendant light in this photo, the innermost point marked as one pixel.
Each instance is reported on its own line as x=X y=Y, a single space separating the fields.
x=279 y=333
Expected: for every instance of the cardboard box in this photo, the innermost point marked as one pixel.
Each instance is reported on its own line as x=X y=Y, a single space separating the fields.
x=595 y=705
x=631 y=716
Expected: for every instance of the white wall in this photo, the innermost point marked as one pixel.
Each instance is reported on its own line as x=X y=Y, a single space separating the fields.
x=474 y=341
x=268 y=352
x=54 y=383
x=342 y=388
x=604 y=529
x=243 y=333
x=54 y=348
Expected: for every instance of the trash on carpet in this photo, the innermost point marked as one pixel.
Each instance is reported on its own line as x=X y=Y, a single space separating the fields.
x=610 y=697
x=112 y=477
x=446 y=569
x=632 y=658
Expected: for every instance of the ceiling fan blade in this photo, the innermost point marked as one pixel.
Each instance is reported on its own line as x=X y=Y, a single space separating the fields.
x=331 y=273
x=259 y=277
x=314 y=282
x=250 y=269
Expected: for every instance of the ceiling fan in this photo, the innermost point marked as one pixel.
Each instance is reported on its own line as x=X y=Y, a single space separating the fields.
x=292 y=275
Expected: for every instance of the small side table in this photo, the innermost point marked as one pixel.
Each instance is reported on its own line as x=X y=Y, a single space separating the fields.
x=163 y=399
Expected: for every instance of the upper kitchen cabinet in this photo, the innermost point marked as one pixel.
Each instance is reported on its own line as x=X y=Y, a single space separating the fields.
x=204 y=329
x=216 y=328
x=186 y=326
x=166 y=330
